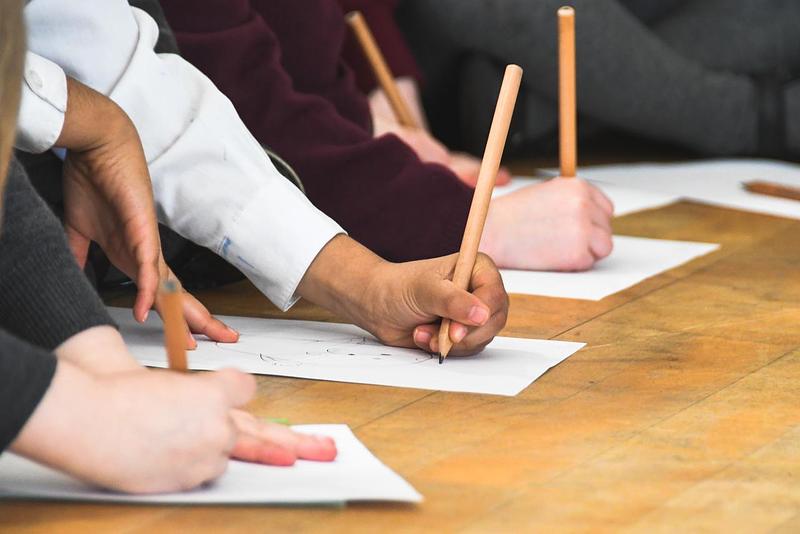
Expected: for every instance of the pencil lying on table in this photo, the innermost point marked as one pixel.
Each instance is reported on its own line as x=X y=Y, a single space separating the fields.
x=174 y=326
x=773 y=190
x=378 y=63
x=568 y=144
x=483 y=192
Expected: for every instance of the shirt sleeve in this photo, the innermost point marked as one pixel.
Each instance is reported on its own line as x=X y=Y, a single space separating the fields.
x=212 y=181
x=378 y=189
x=42 y=106
x=25 y=375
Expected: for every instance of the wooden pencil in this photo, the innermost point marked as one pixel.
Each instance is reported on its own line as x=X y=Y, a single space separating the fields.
x=568 y=145
x=171 y=307
x=483 y=192
x=772 y=189
x=382 y=72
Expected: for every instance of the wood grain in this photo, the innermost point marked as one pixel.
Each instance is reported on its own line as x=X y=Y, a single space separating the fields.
x=680 y=415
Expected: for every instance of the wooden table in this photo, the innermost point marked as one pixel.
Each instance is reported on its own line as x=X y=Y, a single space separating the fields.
x=682 y=413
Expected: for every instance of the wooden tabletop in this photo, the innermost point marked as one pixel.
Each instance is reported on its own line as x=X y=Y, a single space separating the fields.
x=683 y=412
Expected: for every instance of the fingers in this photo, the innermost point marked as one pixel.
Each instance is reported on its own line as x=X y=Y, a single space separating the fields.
x=488 y=289
x=146 y=289
x=444 y=299
x=600 y=218
x=201 y=321
x=601 y=200
x=503 y=176
x=237 y=387
x=600 y=243
x=276 y=444
x=424 y=335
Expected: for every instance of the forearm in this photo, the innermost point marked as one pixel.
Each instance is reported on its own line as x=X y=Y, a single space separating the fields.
x=26 y=372
x=49 y=436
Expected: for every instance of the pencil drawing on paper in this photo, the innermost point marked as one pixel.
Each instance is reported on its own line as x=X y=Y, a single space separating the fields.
x=301 y=348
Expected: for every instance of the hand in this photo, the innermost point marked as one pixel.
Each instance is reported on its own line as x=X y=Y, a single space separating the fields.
x=427 y=148
x=399 y=303
x=563 y=224
x=108 y=199
x=138 y=432
x=275 y=444
x=108 y=195
x=411 y=297
x=198 y=319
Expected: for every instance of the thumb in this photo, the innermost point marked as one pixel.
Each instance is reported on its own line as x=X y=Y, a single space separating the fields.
x=444 y=299
x=78 y=244
x=238 y=387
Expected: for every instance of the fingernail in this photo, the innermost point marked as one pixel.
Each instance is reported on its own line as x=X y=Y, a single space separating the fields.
x=146 y=315
x=422 y=337
x=459 y=334
x=232 y=330
x=478 y=315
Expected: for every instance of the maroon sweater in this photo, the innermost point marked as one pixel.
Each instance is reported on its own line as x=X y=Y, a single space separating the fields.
x=279 y=61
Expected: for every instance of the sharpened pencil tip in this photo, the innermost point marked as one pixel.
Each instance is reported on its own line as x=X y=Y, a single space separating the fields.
x=441 y=359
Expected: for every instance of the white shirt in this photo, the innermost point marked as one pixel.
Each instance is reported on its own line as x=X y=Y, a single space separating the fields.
x=212 y=181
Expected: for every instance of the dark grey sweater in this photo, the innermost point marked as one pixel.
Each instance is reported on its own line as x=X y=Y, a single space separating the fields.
x=44 y=300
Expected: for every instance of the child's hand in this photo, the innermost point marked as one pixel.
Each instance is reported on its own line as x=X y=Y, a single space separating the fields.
x=563 y=224
x=275 y=444
x=427 y=147
x=411 y=298
x=400 y=302
x=137 y=432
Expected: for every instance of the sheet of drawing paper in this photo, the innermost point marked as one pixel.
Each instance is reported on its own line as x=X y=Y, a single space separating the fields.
x=633 y=260
x=346 y=353
x=355 y=475
x=626 y=199
x=715 y=182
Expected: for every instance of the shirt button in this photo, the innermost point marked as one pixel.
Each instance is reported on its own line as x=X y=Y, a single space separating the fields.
x=35 y=81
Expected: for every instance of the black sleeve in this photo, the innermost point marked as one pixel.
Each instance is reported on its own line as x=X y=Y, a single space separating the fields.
x=25 y=374
x=44 y=297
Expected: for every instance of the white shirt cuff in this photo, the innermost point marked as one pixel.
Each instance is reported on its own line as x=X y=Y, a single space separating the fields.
x=256 y=242
x=43 y=105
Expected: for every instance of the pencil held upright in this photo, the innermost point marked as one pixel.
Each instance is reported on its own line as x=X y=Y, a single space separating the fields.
x=568 y=143
x=381 y=70
x=483 y=192
x=171 y=304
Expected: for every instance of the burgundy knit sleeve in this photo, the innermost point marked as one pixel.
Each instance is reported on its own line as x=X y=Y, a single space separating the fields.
x=379 y=15
x=377 y=189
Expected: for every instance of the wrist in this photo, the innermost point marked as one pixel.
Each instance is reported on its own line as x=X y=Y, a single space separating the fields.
x=341 y=278
x=98 y=350
x=91 y=120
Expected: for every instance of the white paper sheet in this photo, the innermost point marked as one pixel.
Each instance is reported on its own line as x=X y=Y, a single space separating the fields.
x=346 y=353
x=355 y=475
x=626 y=199
x=633 y=260
x=715 y=182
